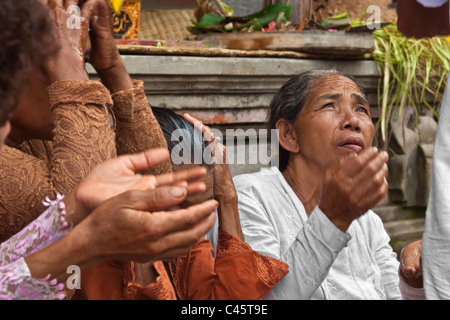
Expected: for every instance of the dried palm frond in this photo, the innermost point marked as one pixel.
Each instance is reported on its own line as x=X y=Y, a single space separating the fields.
x=414 y=73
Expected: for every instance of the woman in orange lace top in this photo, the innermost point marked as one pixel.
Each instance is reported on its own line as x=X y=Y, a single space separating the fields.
x=80 y=117
x=236 y=272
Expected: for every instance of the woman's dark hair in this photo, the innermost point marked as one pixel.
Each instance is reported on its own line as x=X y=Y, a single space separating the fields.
x=181 y=134
x=288 y=102
x=26 y=38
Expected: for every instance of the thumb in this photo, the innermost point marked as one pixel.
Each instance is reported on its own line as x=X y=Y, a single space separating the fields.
x=145 y=160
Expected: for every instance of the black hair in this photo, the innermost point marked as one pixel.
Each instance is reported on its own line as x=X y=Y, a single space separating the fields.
x=288 y=102
x=27 y=40
x=181 y=135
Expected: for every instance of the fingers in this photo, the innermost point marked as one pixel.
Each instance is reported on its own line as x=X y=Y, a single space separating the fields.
x=355 y=162
x=55 y=4
x=183 y=219
x=155 y=199
x=411 y=260
x=195 y=122
x=205 y=130
x=90 y=8
x=145 y=160
x=184 y=175
x=69 y=3
x=104 y=9
x=180 y=243
x=177 y=243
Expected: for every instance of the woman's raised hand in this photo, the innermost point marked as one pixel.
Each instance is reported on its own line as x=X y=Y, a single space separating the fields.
x=353 y=185
x=224 y=189
x=72 y=35
x=104 y=55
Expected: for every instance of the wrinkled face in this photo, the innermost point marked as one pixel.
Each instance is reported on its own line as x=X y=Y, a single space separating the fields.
x=334 y=121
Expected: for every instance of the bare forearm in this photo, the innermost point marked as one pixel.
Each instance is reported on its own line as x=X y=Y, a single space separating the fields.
x=229 y=216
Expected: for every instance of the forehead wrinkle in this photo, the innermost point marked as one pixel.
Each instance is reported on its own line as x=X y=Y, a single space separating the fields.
x=330 y=96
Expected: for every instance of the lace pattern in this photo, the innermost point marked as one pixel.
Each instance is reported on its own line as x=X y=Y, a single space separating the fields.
x=16 y=281
x=269 y=270
x=82 y=138
x=136 y=127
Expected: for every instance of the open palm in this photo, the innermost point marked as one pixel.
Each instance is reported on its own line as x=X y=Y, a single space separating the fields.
x=121 y=174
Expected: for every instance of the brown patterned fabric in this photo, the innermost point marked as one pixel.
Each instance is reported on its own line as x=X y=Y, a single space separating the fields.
x=38 y=169
x=82 y=138
x=136 y=127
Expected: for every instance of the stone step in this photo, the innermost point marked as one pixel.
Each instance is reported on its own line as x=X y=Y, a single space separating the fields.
x=394 y=213
x=405 y=229
x=403 y=232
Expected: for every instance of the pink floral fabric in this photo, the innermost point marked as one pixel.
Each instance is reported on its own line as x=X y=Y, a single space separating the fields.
x=16 y=282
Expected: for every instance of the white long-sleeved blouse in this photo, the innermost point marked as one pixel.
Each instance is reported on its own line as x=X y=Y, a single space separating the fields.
x=324 y=262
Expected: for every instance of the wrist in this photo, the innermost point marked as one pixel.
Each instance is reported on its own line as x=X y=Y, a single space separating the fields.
x=66 y=67
x=228 y=219
x=116 y=77
x=340 y=221
x=75 y=212
x=54 y=260
x=226 y=196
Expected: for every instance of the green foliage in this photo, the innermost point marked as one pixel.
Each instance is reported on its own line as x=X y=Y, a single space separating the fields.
x=213 y=23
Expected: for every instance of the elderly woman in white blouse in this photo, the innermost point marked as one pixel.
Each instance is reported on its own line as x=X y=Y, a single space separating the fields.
x=313 y=212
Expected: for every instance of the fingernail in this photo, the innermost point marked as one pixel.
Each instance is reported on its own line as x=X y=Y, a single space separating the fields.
x=177 y=192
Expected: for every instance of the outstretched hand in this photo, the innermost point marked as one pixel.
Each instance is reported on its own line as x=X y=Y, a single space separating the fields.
x=122 y=174
x=352 y=186
x=134 y=226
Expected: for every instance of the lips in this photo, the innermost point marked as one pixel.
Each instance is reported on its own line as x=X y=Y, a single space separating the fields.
x=353 y=144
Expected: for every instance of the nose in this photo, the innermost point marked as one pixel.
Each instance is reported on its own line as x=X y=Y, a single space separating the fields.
x=351 y=122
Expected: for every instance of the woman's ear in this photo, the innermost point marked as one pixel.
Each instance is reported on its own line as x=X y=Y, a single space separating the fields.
x=286 y=136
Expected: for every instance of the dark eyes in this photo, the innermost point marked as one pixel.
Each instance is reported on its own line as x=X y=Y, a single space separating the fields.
x=362 y=109
x=328 y=105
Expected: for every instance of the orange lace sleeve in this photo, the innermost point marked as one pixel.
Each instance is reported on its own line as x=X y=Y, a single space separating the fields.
x=237 y=272
x=82 y=139
x=136 y=127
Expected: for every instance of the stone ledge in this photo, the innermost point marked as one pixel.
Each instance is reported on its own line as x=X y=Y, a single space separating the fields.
x=405 y=229
x=390 y=213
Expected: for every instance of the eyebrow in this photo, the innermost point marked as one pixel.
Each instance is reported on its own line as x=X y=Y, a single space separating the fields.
x=362 y=99
x=334 y=96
